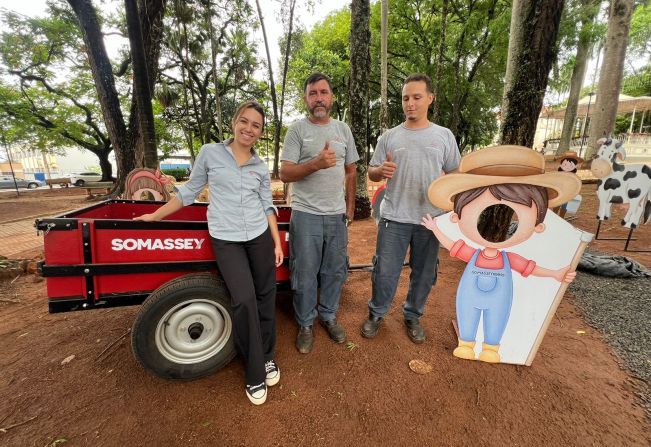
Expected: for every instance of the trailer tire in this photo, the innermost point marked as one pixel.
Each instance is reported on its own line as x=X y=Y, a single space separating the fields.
x=184 y=329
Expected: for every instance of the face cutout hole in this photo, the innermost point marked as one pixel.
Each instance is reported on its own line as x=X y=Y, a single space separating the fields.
x=497 y=223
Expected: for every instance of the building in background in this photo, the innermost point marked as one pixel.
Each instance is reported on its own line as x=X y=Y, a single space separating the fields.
x=35 y=164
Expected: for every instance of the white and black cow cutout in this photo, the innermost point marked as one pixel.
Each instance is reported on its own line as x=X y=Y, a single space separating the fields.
x=621 y=183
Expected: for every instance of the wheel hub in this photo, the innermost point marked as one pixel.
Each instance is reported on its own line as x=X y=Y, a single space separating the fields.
x=193 y=331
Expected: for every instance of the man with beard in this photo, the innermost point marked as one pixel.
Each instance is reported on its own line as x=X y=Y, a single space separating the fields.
x=319 y=157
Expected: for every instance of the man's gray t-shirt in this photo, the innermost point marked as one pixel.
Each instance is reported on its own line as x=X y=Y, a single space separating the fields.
x=321 y=192
x=421 y=155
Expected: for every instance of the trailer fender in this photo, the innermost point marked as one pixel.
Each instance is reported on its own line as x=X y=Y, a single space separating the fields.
x=184 y=329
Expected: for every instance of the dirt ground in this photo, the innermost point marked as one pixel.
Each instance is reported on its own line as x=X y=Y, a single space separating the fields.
x=361 y=393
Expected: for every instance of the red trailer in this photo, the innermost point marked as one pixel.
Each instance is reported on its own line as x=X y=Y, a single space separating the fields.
x=99 y=257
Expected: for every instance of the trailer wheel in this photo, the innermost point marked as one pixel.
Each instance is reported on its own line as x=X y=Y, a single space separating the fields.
x=185 y=328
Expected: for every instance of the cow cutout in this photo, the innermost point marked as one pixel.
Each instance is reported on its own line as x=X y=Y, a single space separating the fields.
x=621 y=184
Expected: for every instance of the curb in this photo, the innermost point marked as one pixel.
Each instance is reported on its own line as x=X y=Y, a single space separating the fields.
x=25 y=218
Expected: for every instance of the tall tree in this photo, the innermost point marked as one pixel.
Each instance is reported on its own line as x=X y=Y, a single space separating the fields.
x=289 y=4
x=438 y=71
x=124 y=135
x=146 y=156
x=198 y=97
x=360 y=65
x=214 y=50
x=532 y=62
x=516 y=35
x=56 y=111
x=384 y=31
x=589 y=10
x=272 y=86
x=611 y=74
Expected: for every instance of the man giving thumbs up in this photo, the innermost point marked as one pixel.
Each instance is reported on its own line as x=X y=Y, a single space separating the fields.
x=410 y=156
x=319 y=157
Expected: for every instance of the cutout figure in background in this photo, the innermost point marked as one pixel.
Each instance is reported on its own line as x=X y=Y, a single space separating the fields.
x=485 y=179
x=621 y=183
x=570 y=162
x=147 y=184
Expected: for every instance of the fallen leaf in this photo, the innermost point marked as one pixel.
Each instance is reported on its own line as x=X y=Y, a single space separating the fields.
x=420 y=367
x=68 y=359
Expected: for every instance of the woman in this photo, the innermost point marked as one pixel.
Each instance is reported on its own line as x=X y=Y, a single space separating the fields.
x=244 y=234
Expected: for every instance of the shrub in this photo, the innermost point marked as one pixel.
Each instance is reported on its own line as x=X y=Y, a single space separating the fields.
x=178 y=174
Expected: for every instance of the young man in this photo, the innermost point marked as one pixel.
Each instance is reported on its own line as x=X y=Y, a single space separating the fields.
x=319 y=156
x=410 y=156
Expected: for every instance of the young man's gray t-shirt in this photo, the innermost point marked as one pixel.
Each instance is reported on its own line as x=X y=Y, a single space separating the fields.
x=321 y=192
x=421 y=155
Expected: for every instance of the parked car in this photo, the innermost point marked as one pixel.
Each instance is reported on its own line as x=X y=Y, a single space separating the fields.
x=7 y=182
x=79 y=178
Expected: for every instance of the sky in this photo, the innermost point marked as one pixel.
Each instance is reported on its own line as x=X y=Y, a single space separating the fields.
x=270 y=12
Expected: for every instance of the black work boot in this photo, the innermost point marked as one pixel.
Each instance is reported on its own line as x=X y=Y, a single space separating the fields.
x=335 y=331
x=372 y=326
x=304 y=339
x=415 y=331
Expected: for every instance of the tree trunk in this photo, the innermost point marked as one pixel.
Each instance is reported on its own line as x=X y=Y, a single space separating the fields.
x=610 y=76
x=589 y=12
x=122 y=137
x=272 y=85
x=360 y=67
x=288 y=47
x=384 y=103
x=213 y=61
x=525 y=97
x=105 y=86
x=438 y=74
x=146 y=155
x=105 y=164
x=515 y=47
x=528 y=81
x=195 y=107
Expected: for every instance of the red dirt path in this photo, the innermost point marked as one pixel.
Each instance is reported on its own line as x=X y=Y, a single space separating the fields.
x=363 y=394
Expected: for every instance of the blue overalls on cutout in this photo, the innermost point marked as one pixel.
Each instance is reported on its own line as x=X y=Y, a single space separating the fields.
x=487 y=290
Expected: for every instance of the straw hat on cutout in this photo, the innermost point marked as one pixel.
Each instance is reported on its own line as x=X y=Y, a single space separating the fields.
x=503 y=164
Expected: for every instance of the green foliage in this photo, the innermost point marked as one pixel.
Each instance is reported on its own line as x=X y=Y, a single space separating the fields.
x=186 y=92
x=471 y=73
x=178 y=174
x=622 y=123
x=47 y=93
x=577 y=22
x=639 y=38
x=325 y=49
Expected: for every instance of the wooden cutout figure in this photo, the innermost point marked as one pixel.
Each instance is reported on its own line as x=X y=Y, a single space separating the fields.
x=513 y=176
x=620 y=183
x=570 y=162
x=148 y=184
